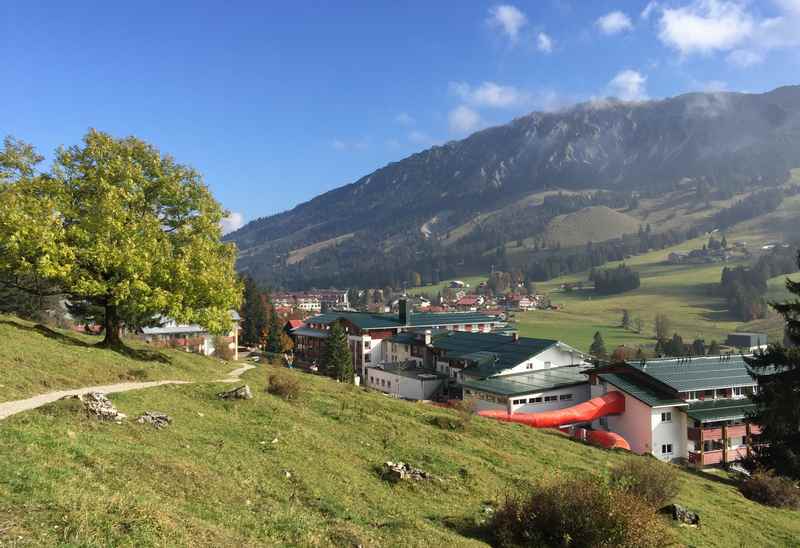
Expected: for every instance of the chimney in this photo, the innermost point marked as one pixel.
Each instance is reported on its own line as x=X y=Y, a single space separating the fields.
x=405 y=312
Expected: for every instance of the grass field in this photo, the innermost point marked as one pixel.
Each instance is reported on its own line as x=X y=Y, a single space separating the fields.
x=271 y=472
x=682 y=292
x=36 y=359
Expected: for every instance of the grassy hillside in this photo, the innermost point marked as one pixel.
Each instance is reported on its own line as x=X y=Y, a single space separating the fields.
x=680 y=291
x=433 y=289
x=35 y=359
x=595 y=224
x=267 y=471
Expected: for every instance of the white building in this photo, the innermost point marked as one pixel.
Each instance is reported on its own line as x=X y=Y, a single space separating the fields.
x=407 y=380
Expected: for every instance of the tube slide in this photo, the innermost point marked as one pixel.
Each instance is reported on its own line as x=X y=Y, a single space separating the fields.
x=588 y=411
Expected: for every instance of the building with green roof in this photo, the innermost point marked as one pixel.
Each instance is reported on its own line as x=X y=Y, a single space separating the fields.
x=692 y=409
x=366 y=331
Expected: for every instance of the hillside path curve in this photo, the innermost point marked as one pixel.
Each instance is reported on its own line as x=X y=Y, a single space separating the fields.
x=9 y=408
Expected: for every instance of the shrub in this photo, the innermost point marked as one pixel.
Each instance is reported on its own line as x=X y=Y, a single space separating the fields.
x=656 y=483
x=767 y=488
x=283 y=385
x=582 y=511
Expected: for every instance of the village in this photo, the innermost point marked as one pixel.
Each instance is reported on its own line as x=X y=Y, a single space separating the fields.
x=689 y=410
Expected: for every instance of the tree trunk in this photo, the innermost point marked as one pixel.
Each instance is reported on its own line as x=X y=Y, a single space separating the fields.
x=112 y=327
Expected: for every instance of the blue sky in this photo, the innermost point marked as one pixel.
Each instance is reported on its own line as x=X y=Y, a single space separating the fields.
x=276 y=103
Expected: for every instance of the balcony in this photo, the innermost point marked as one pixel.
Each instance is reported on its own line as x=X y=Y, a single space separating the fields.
x=714 y=457
x=715 y=434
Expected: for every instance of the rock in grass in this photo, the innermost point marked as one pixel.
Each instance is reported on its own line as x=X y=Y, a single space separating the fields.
x=98 y=405
x=681 y=514
x=240 y=393
x=398 y=471
x=158 y=420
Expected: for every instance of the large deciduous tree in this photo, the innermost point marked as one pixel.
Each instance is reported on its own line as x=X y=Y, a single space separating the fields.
x=120 y=226
x=777 y=371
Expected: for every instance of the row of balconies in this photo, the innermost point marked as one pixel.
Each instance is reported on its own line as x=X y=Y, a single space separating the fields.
x=715 y=433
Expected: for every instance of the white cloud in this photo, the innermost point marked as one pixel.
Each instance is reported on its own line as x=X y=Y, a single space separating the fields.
x=405 y=119
x=463 y=119
x=649 y=9
x=489 y=94
x=234 y=221
x=509 y=19
x=544 y=43
x=614 y=23
x=744 y=58
x=705 y=26
x=628 y=85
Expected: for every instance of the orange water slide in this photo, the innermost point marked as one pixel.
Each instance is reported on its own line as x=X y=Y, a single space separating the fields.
x=588 y=411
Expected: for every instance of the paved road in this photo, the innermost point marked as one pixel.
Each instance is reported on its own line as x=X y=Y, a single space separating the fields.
x=18 y=406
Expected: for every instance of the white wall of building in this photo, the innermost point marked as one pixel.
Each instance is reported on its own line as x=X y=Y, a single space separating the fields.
x=672 y=432
x=550 y=358
x=402 y=386
x=486 y=401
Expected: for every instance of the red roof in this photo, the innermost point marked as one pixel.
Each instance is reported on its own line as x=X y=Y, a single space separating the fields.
x=467 y=301
x=294 y=324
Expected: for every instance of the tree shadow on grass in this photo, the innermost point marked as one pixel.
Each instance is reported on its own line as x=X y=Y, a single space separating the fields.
x=47 y=332
x=140 y=354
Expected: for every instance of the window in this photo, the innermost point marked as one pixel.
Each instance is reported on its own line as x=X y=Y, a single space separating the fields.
x=383 y=382
x=388 y=384
x=547 y=365
x=565 y=397
x=367 y=344
x=366 y=358
x=529 y=366
x=666 y=416
x=518 y=402
x=691 y=396
x=536 y=400
x=666 y=449
x=550 y=398
x=738 y=392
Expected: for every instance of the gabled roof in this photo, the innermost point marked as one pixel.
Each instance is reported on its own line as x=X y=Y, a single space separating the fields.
x=294 y=324
x=491 y=352
x=706 y=373
x=649 y=395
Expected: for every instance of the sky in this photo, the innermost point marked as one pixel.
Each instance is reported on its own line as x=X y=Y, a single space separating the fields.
x=275 y=103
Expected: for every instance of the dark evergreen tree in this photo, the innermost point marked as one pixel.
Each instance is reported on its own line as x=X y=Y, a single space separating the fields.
x=338 y=358
x=273 y=332
x=777 y=371
x=713 y=349
x=254 y=314
x=598 y=348
x=626 y=319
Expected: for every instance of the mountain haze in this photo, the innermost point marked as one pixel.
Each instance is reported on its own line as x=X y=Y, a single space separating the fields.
x=451 y=204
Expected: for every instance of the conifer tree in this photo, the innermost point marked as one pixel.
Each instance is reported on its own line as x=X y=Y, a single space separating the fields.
x=273 y=332
x=777 y=371
x=338 y=358
x=598 y=348
x=626 y=319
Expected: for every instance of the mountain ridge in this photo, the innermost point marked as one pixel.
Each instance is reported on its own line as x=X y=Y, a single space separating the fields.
x=724 y=139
